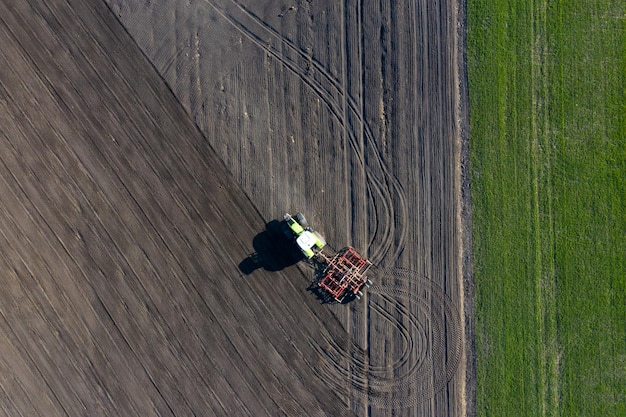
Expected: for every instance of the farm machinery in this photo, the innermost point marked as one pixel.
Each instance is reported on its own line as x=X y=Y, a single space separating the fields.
x=342 y=273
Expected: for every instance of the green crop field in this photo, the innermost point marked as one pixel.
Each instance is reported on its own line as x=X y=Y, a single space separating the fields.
x=547 y=85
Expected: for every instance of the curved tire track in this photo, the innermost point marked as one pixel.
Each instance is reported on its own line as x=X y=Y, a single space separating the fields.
x=380 y=181
x=415 y=375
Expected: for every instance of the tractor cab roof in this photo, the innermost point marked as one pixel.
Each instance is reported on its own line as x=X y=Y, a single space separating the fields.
x=306 y=240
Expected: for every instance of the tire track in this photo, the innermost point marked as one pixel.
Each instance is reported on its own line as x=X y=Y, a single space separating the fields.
x=358 y=202
x=358 y=147
x=359 y=354
x=368 y=156
x=344 y=115
x=432 y=338
x=375 y=380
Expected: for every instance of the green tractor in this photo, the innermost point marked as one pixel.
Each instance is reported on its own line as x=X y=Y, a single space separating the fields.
x=308 y=240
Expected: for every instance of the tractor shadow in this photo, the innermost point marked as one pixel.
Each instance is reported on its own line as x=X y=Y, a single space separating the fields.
x=273 y=250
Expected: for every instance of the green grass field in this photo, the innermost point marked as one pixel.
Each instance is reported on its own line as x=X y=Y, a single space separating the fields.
x=547 y=84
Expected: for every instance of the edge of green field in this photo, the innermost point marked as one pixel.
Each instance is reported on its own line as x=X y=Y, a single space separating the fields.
x=548 y=172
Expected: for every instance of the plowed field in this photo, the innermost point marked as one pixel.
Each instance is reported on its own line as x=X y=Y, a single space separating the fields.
x=144 y=148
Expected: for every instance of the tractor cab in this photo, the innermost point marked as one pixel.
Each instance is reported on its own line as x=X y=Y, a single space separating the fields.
x=307 y=239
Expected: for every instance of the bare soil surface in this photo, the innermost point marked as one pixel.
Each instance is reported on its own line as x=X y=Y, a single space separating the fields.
x=145 y=148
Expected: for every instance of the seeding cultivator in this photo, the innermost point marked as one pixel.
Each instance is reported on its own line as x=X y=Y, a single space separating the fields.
x=344 y=274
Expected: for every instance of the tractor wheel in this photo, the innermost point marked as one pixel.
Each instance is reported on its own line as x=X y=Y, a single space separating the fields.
x=302 y=220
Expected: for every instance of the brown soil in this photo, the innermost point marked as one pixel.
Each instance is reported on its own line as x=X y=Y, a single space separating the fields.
x=146 y=147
